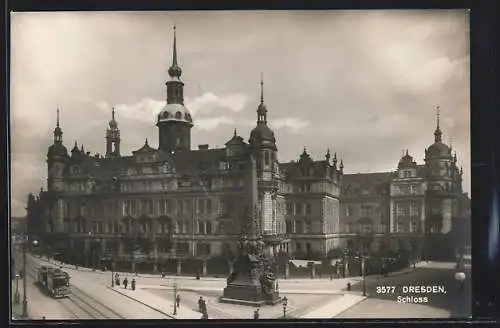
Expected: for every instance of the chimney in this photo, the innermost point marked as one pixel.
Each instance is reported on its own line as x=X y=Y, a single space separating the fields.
x=203 y=147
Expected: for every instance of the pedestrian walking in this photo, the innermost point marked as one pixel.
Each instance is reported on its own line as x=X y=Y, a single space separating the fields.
x=256 y=314
x=132 y=285
x=178 y=300
x=117 y=279
x=200 y=304
x=162 y=274
x=125 y=283
x=204 y=306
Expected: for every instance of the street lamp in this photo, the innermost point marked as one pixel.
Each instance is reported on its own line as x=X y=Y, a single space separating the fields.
x=17 y=295
x=93 y=249
x=410 y=255
x=175 y=297
x=363 y=271
x=285 y=304
x=25 y=298
x=346 y=252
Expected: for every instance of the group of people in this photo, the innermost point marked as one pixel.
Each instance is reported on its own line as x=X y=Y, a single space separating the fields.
x=125 y=282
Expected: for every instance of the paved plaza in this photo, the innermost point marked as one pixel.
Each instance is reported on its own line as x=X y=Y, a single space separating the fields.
x=307 y=298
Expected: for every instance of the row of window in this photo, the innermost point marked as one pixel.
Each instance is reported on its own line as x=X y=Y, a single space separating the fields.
x=201 y=227
x=366 y=228
x=149 y=207
x=407 y=173
x=365 y=211
x=181 y=183
x=298 y=226
x=297 y=208
x=407 y=209
x=407 y=189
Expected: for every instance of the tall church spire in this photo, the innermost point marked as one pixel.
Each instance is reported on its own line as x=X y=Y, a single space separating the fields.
x=174 y=71
x=437 y=133
x=57 y=131
x=261 y=88
x=262 y=110
x=175 y=90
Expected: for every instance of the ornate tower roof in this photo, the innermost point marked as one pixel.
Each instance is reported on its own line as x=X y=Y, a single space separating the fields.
x=438 y=149
x=174 y=110
x=58 y=131
x=437 y=133
x=57 y=149
x=113 y=125
x=407 y=162
x=262 y=135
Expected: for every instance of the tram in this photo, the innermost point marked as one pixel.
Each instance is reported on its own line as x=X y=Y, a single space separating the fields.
x=54 y=281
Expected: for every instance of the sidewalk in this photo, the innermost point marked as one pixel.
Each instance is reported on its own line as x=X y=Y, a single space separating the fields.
x=17 y=309
x=159 y=304
x=335 y=307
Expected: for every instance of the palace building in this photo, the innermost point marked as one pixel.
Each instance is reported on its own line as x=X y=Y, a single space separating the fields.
x=167 y=206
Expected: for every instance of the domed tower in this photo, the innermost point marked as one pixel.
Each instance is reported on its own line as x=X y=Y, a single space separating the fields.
x=262 y=145
x=57 y=157
x=112 y=138
x=174 y=120
x=440 y=168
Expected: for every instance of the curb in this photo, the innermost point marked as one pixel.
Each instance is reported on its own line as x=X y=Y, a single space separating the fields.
x=147 y=305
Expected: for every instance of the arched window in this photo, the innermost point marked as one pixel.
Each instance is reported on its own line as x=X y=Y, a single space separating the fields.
x=178 y=115
x=266 y=158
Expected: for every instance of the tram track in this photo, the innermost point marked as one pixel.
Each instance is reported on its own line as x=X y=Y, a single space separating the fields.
x=79 y=304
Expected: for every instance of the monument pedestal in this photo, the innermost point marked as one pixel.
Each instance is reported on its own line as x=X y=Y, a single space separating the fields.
x=249 y=295
x=243 y=294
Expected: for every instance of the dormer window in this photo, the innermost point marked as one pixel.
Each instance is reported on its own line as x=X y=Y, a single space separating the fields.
x=178 y=115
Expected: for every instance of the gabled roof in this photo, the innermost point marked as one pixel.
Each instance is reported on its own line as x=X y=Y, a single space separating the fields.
x=236 y=140
x=145 y=149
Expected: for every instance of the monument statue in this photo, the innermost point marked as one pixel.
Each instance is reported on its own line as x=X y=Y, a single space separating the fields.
x=251 y=281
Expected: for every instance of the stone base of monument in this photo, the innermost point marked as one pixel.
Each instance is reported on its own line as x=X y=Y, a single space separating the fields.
x=248 y=295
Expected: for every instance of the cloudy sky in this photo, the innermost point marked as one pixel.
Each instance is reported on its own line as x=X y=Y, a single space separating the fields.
x=363 y=83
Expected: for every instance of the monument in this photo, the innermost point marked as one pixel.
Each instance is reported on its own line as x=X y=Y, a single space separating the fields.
x=251 y=281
